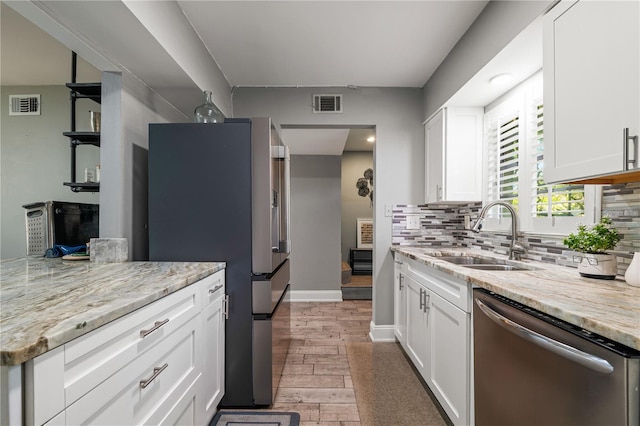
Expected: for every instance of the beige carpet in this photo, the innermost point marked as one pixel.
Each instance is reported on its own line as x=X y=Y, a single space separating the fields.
x=388 y=392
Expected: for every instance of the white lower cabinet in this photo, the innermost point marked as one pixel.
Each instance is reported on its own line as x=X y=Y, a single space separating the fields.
x=138 y=394
x=213 y=325
x=417 y=323
x=438 y=339
x=400 y=300
x=161 y=364
x=448 y=373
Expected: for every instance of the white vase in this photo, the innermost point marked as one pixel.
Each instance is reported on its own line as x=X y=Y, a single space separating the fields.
x=632 y=276
x=601 y=266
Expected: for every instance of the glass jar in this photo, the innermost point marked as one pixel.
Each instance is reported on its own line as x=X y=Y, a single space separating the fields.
x=208 y=112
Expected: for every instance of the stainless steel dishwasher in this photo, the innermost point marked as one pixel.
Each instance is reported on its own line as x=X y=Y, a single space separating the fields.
x=534 y=369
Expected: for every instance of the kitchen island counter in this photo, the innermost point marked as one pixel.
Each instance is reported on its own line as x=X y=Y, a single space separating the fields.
x=45 y=303
x=610 y=308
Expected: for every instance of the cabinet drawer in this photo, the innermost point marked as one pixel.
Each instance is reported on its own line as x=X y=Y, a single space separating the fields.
x=170 y=370
x=94 y=357
x=453 y=290
x=212 y=287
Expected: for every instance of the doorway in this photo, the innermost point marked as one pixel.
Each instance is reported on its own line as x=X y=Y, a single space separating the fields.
x=327 y=205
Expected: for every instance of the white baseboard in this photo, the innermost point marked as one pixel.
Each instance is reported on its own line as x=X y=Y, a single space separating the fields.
x=381 y=333
x=315 y=295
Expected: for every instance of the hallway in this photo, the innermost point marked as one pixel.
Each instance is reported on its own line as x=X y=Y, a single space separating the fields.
x=329 y=348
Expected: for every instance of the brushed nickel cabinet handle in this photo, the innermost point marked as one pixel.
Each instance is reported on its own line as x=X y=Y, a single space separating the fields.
x=427 y=297
x=400 y=276
x=226 y=306
x=156 y=372
x=625 y=151
x=156 y=325
x=216 y=288
x=421 y=302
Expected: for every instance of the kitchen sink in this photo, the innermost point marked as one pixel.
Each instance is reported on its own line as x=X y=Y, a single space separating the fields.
x=497 y=267
x=485 y=263
x=471 y=260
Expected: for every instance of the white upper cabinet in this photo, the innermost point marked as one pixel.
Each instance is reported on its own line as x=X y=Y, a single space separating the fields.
x=591 y=89
x=453 y=155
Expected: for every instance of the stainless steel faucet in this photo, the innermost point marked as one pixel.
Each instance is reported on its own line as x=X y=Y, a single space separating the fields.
x=516 y=250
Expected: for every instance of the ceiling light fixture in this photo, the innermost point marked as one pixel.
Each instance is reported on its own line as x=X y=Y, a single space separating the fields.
x=371 y=139
x=501 y=79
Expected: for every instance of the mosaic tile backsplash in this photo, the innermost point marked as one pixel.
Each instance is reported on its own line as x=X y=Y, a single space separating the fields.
x=442 y=225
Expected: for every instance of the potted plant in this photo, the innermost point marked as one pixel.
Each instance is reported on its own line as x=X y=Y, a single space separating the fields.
x=594 y=242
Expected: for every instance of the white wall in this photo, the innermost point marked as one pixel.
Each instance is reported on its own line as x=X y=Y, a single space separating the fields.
x=396 y=114
x=354 y=207
x=315 y=222
x=35 y=159
x=497 y=25
x=128 y=108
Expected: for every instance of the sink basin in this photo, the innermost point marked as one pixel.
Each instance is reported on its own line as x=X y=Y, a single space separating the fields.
x=497 y=267
x=471 y=260
x=484 y=263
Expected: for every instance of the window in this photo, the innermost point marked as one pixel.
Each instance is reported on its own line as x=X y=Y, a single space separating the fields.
x=514 y=161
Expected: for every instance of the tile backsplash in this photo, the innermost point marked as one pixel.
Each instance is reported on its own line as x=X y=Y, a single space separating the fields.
x=442 y=225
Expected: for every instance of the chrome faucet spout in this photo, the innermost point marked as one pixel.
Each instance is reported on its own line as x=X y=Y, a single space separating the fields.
x=516 y=249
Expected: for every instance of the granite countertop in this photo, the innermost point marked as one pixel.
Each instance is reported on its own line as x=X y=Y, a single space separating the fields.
x=45 y=303
x=610 y=308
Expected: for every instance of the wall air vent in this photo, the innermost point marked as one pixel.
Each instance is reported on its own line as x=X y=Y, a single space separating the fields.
x=327 y=103
x=24 y=104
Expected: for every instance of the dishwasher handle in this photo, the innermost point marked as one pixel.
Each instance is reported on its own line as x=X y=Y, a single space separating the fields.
x=588 y=360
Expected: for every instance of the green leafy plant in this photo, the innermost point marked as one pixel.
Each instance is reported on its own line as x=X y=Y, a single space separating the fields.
x=596 y=239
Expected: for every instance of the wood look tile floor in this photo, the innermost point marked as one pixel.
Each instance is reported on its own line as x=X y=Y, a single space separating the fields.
x=316 y=381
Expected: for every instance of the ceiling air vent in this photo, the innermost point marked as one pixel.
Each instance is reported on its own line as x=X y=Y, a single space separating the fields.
x=327 y=103
x=24 y=104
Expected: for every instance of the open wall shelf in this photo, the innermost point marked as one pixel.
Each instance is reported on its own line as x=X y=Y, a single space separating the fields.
x=81 y=91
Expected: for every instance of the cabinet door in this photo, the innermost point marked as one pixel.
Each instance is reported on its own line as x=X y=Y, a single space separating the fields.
x=417 y=321
x=170 y=370
x=434 y=134
x=212 y=383
x=463 y=154
x=400 y=303
x=592 y=89
x=449 y=350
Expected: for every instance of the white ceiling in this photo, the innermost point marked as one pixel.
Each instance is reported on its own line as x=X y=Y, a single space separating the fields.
x=330 y=43
x=272 y=43
x=327 y=141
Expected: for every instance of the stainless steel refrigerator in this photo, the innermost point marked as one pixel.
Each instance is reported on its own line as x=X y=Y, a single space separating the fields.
x=220 y=192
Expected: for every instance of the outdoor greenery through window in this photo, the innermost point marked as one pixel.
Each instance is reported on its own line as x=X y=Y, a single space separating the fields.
x=514 y=163
x=555 y=200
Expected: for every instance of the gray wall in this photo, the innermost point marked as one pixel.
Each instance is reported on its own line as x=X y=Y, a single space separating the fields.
x=396 y=114
x=497 y=25
x=354 y=207
x=35 y=159
x=128 y=108
x=315 y=222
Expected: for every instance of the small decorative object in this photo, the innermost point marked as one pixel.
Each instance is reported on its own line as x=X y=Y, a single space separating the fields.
x=363 y=184
x=88 y=175
x=208 y=112
x=632 y=276
x=365 y=233
x=95 y=121
x=594 y=242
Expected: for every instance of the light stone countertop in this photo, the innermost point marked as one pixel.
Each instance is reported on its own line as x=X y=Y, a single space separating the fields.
x=45 y=303
x=610 y=308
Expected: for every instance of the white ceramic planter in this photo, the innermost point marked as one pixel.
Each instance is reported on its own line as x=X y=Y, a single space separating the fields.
x=601 y=266
x=632 y=276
